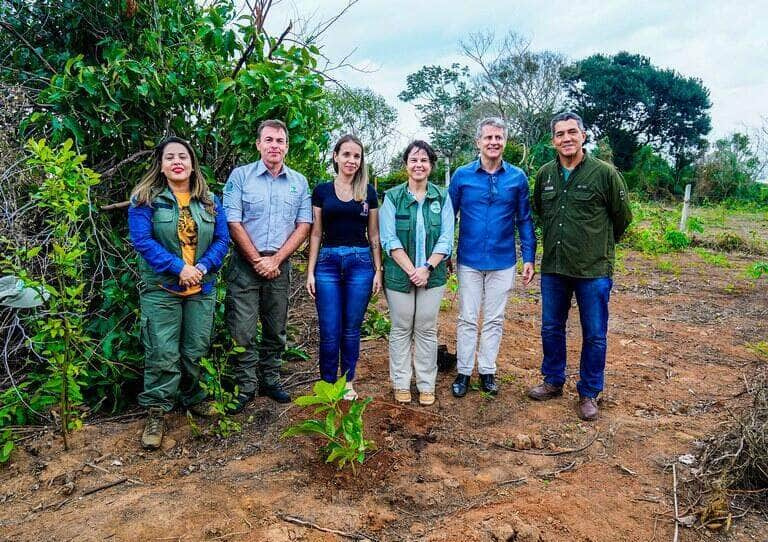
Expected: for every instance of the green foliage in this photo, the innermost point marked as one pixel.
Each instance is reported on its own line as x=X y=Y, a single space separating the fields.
x=6 y=446
x=376 y=324
x=60 y=335
x=713 y=258
x=444 y=98
x=629 y=100
x=651 y=175
x=760 y=348
x=729 y=172
x=757 y=270
x=222 y=400
x=199 y=70
x=343 y=432
x=367 y=115
x=654 y=231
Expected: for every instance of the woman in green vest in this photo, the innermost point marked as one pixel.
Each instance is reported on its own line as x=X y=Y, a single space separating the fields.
x=416 y=223
x=180 y=231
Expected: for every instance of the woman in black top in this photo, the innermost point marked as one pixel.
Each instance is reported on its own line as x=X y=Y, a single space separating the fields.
x=343 y=273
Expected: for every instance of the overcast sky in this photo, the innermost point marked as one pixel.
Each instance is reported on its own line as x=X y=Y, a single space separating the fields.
x=724 y=43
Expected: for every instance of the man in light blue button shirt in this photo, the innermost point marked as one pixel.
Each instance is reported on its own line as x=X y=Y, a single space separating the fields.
x=269 y=212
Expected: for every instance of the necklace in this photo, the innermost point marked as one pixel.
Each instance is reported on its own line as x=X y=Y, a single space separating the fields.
x=342 y=192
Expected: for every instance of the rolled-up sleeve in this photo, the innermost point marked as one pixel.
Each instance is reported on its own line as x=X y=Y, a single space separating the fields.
x=233 y=196
x=444 y=244
x=214 y=255
x=387 y=228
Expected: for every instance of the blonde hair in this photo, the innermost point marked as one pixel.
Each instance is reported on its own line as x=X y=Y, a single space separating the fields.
x=153 y=182
x=360 y=180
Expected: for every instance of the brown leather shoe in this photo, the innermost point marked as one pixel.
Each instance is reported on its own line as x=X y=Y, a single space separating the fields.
x=544 y=391
x=588 y=410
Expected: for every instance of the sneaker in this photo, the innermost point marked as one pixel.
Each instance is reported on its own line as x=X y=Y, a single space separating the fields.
x=204 y=409
x=426 y=398
x=153 y=429
x=350 y=394
x=403 y=397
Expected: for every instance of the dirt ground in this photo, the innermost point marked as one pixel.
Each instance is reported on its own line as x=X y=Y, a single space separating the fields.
x=678 y=358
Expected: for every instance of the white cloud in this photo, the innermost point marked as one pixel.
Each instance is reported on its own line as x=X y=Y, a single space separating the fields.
x=722 y=43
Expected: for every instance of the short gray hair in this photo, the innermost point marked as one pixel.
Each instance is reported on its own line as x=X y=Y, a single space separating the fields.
x=490 y=121
x=566 y=115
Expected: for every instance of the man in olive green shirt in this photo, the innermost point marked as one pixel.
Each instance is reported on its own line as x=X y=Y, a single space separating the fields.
x=584 y=210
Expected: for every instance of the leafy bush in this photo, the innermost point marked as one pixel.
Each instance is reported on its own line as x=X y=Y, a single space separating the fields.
x=376 y=324
x=343 y=432
x=757 y=270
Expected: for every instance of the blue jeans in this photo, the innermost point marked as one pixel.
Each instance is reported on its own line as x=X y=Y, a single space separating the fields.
x=592 y=297
x=343 y=280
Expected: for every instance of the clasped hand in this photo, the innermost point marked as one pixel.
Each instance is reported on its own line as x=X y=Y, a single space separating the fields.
x=190 y=276
x=267 y=266
x=419 y=276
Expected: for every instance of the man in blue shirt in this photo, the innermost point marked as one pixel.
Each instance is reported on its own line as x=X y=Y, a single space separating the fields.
x=490 y=197
x=269 y=212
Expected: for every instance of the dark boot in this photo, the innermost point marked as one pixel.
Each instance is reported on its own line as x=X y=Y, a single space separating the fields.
x=588 y=410
x=488 y=384
x=460 y=385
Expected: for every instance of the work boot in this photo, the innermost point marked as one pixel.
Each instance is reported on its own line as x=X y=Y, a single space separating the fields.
x=544 y=391
x=488 y=384
x=204 y=409
x=588 y=410
x=153 y=429
x=275 y=392
x=460 y=385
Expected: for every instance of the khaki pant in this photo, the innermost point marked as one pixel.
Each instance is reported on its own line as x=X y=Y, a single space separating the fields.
x=251 y=300
x=414 y=321
x=485 y=291
x=176 y=333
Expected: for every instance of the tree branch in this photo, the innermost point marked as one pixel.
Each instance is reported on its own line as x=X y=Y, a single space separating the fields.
x=21 y=38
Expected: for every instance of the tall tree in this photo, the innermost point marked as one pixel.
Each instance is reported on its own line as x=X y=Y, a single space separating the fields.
x=444 y=98
x=632 y=102
x=520 y=85
x=367 y=115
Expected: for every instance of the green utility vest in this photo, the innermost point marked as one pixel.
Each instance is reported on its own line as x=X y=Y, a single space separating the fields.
x=405 y=224
x=165 y=219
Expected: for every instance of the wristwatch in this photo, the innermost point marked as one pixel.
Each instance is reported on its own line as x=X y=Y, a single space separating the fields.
x=429 y=266
x=201 y=267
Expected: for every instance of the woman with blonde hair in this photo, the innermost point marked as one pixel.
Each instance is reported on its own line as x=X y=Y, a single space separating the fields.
x=180 y=231
x=344 y=260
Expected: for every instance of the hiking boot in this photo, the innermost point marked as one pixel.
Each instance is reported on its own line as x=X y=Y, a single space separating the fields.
x=488 y=385
x=204 y=409
x=403 y=397
x=153 y=429
x=426 y=398
x=588 y=410
x=350 y=394
x=544 y=392
x=239 y=403
x=275 y=392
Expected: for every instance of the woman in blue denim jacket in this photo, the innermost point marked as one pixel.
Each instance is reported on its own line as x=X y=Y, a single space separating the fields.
x=342 y=275
x=180 y=231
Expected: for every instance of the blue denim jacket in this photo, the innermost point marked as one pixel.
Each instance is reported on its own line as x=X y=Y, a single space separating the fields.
x=162 y=260
x=490 y=207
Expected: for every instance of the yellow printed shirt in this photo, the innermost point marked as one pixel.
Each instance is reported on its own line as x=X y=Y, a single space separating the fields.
x=187 y=231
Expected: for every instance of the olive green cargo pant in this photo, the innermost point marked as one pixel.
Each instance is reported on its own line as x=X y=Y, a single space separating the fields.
x=251 y=298
x=176 y=333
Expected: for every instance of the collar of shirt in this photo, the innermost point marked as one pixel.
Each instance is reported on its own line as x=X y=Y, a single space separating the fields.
x=478 y=167
x=261 y=169
x=577 y=166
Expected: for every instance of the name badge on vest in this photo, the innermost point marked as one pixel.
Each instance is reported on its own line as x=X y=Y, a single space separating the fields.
x=364 y=205
x=435 y=207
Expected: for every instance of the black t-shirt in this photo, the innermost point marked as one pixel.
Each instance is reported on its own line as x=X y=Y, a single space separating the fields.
x=345 y=223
